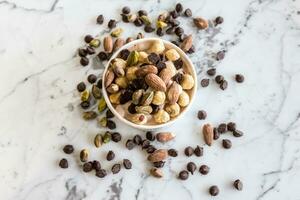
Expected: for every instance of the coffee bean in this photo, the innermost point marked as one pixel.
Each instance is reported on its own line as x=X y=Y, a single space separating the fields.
x=159 y=32
x=238 y=184
x=179 y=7
x=159 y=164
x=99 y=84
x=219 y=79
x=211 y=72
x=226 y=143
x=101 y=173
x=116 y=168
x=174 y=14
x=129 y=144
x=220 y=55
x=116 y=137
x=188 y=151
x=150 y=149
x=239 y=78
x=202 y=114
x=111 y=124
x=214 y=190
x=92 y=78
x=237 y=133
x=170 y=30
x=102 y=55
x=112 y=24
x=161 y=65
x=179 y=31
x=150 y=136
x=82 y=52
x=149 y=29
x=63 y=163
x=142 y=12
x=174 y=22
x=222 y=128
x=172 y=152
x=219 y=20
x=204 y=169
x=68 y=149
x=188 y=12
x=84 y=61
x=153 y=58
x=138 y=22
x=137 y=139
x=205 y=82
x=176 y=43
x=88 y=38
x=125 y=18
x=178 y=63
x=198 y=151
x=191 y=167
x=90 y=50
x=110 y=155
x=191 y=50
x=96 y=165
x=126 y=10
x=85 y=104
x=231 y=126
x=216 y=134
x=224 y=85
x=87 y=167
x=178 y=77
x=81 y=87
x=183 y=175
x=100 y=19
x=127 y=164
x=145 y=144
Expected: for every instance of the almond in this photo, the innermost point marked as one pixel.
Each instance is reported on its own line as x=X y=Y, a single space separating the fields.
x=118 y=44
x=155 y=82
x=200 y=23
x=174 y=92
x=165 y=136
x=166 y=74
x=109 y=78
x=158 y=155
x=146 y=69
x=108 y=44
x=208 y=134
x=187 y=43
x=156 y=172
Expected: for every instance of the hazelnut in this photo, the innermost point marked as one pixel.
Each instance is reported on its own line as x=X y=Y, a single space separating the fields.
x=173 y=109
x=115 y=98
x=187 y=82
x=121 y=82
x=130 y=73
x=159 y=98
x=172 y=55
x=157 y=47
x=184 y=99
x=161 y=117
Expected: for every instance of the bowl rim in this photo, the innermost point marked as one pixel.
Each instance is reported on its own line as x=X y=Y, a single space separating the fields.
x=145 y=126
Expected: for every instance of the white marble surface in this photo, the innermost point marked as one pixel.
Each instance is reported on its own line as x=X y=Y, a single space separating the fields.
x=39 y=103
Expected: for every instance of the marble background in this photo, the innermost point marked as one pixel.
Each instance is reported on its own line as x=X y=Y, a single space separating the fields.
x=39 y=110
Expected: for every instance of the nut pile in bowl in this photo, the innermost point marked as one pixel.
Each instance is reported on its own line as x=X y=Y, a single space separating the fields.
x=152 y=82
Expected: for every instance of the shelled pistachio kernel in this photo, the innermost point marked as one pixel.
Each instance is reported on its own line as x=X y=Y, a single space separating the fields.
x=130 y=72
x=187 y=82
x=121 y=82
x=138 y=118
x=85 y=95
x=161 y=117
x=172 y=55
x=184 y=99
x=157 y=47
x=159 y=98
x=117 y=32
x=115 y=98
x=95 y=43
x=173 y=109
x=101 y=104
x=133 y=58
x=161 y=24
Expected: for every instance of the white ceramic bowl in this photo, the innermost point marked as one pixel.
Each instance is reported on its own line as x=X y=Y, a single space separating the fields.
x=187 y=62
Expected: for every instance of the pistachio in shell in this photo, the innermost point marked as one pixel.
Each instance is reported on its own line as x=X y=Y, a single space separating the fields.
x=147 y=98
x=84 y=154
x=98 y=140
x=89 y=115
x=103 y=122
x=144 y=109
x=85 y=95
x=136 y=96
x=106 y=137
x=96 y=91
